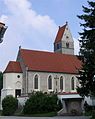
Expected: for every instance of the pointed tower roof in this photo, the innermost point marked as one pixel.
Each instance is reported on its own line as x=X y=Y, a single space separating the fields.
x=60 y=33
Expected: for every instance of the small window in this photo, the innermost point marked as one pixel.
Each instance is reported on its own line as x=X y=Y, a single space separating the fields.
x=72 y=84
x=61 y=83
x=67 y=45
x=50 y=82
x=36 y=82
x=58 y=46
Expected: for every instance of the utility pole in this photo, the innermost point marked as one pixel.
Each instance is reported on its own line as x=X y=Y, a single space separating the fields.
x=3 y=28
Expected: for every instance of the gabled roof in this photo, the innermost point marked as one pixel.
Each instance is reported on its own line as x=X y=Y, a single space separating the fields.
x=50 y=62
x=13 y=67
x=60 y=33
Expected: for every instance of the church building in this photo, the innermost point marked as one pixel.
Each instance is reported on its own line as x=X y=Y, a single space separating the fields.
x=47 y=72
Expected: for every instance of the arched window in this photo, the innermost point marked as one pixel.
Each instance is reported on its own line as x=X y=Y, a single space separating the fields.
x=36 y=82
x=72 y=84
x=61 y=83
x=50 y=82
x=67 y=45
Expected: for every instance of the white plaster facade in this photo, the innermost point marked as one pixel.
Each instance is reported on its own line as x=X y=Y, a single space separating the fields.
x=11 y=82
x=43 y=82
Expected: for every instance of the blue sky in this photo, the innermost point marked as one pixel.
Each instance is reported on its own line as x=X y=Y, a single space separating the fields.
x=33 y=24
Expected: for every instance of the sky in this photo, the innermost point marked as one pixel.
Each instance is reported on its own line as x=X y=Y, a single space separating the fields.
x=33 y=24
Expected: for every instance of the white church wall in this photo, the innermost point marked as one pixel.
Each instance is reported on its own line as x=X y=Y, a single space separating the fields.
x=43 y=84
x=22 y=100
x=67 y=32
x=10 y=80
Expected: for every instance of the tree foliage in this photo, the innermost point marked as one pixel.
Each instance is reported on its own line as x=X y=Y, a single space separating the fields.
x=9 y=105
x=41 y=103
x=87 y=51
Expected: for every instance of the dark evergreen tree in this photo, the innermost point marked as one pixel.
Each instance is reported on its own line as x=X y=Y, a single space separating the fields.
x=87 y=51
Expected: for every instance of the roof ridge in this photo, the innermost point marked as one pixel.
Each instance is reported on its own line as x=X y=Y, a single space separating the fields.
x=48 y=52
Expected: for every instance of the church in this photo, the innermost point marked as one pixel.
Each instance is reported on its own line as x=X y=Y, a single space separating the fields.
x=47 y=72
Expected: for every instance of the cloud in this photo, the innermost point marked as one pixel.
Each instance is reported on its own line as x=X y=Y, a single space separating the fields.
x=26 y=28
x=3 y=18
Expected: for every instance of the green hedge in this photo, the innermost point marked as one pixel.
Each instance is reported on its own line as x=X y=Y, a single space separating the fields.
x=41 y=103
x=9 y=105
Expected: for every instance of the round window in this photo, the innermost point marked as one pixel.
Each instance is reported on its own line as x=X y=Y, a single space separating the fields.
x=18 y=76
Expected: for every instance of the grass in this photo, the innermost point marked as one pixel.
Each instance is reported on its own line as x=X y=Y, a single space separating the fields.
x=49 y=114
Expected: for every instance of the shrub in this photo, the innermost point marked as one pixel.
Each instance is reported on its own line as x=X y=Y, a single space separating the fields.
x=9 y=105
x=60 y=106
x=41 y=103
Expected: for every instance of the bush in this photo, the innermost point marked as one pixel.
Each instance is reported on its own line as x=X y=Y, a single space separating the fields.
x=9 y=105
x=41 y=103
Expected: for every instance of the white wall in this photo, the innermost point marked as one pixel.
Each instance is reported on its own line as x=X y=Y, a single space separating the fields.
x=11 y=80
x=22 y=100
x=43 y=78
x=67 y=33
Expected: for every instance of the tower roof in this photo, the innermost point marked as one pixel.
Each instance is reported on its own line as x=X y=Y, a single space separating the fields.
x=60 y=33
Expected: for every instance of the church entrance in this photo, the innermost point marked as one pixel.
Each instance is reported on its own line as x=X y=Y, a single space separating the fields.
x=17 y=92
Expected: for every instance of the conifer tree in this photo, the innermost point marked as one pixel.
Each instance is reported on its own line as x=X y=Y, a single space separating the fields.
x=87 y=51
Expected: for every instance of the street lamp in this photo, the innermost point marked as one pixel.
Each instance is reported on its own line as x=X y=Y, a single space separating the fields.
x=3 y=28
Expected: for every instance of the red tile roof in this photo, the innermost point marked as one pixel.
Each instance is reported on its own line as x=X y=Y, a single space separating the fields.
x=50 y=62
x=60 y=33
x=13 y=67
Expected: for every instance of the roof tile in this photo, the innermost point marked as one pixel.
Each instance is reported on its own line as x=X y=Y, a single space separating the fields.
x=60 y=33
x=50 y=62
x=13 y=67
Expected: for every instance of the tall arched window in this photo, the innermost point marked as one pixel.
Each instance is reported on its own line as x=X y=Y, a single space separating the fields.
x=61 y=83
x=50 y=82
x=72 y=84
x=36 y=82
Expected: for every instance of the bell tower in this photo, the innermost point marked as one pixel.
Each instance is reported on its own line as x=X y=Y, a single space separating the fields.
x=64 y=42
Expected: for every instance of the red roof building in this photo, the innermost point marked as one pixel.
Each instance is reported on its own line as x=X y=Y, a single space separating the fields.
x=47 y=71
